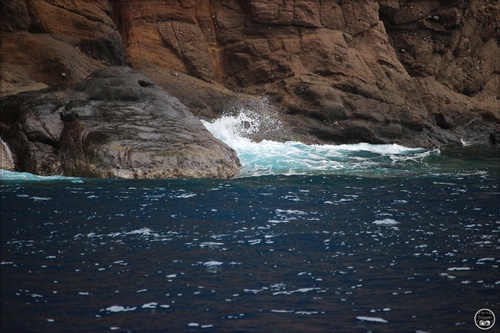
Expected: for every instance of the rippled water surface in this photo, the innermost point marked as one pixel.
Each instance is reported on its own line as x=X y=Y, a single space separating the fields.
x=354 y=238
x=275 y=253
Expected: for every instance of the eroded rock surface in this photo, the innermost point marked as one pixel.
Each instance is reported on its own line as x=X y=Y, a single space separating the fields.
x=55 y=43
x=418 y=73
x=116 y=123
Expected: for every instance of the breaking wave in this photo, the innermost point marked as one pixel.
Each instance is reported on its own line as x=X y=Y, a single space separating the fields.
x=268 y=157
x=244 y=130
x=26 y=176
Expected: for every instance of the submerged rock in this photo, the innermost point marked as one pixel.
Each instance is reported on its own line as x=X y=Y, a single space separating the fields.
x=116 y=123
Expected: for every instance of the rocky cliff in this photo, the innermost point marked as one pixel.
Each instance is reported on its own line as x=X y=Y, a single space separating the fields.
x=419 y=73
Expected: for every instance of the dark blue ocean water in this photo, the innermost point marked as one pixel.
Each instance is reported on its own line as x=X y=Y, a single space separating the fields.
x=367 y=239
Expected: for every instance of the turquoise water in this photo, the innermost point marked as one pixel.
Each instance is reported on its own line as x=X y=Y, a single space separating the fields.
x=352 y=238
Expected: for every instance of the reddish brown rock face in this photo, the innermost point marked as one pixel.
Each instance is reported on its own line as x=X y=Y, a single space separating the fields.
x=55 y=43
x=420 y=73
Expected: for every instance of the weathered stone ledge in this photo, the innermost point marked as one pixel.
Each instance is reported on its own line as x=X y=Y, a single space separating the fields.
x=116 y=123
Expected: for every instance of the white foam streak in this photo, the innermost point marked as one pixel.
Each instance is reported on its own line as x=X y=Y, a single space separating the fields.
x=372 y=319
x=25 y=176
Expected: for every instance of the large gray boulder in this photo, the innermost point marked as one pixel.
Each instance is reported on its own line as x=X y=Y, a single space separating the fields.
x=116 y=123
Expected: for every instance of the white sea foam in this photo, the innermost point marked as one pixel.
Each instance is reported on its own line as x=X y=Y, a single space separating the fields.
x=301 y=290
x=286 y=215
x=307 y=313
x=283 y=311
x=119 y=308
x=151 y=305
x=211 y=244
x=290 y=212
x=386 y=223
x=142 y=231
x=212 y=266
x=373 y=319
x=267 y=157
x=41 y=198
x=26 y=176
x=486 y=259
x=185 y=195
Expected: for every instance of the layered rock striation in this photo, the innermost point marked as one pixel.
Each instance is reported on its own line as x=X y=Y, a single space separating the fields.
x=418 y=73
x=116 y=123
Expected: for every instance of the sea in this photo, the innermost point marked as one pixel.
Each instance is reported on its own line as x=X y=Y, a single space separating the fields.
x=307 y=238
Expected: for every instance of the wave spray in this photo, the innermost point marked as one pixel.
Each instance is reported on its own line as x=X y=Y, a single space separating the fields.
x=246 y=129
